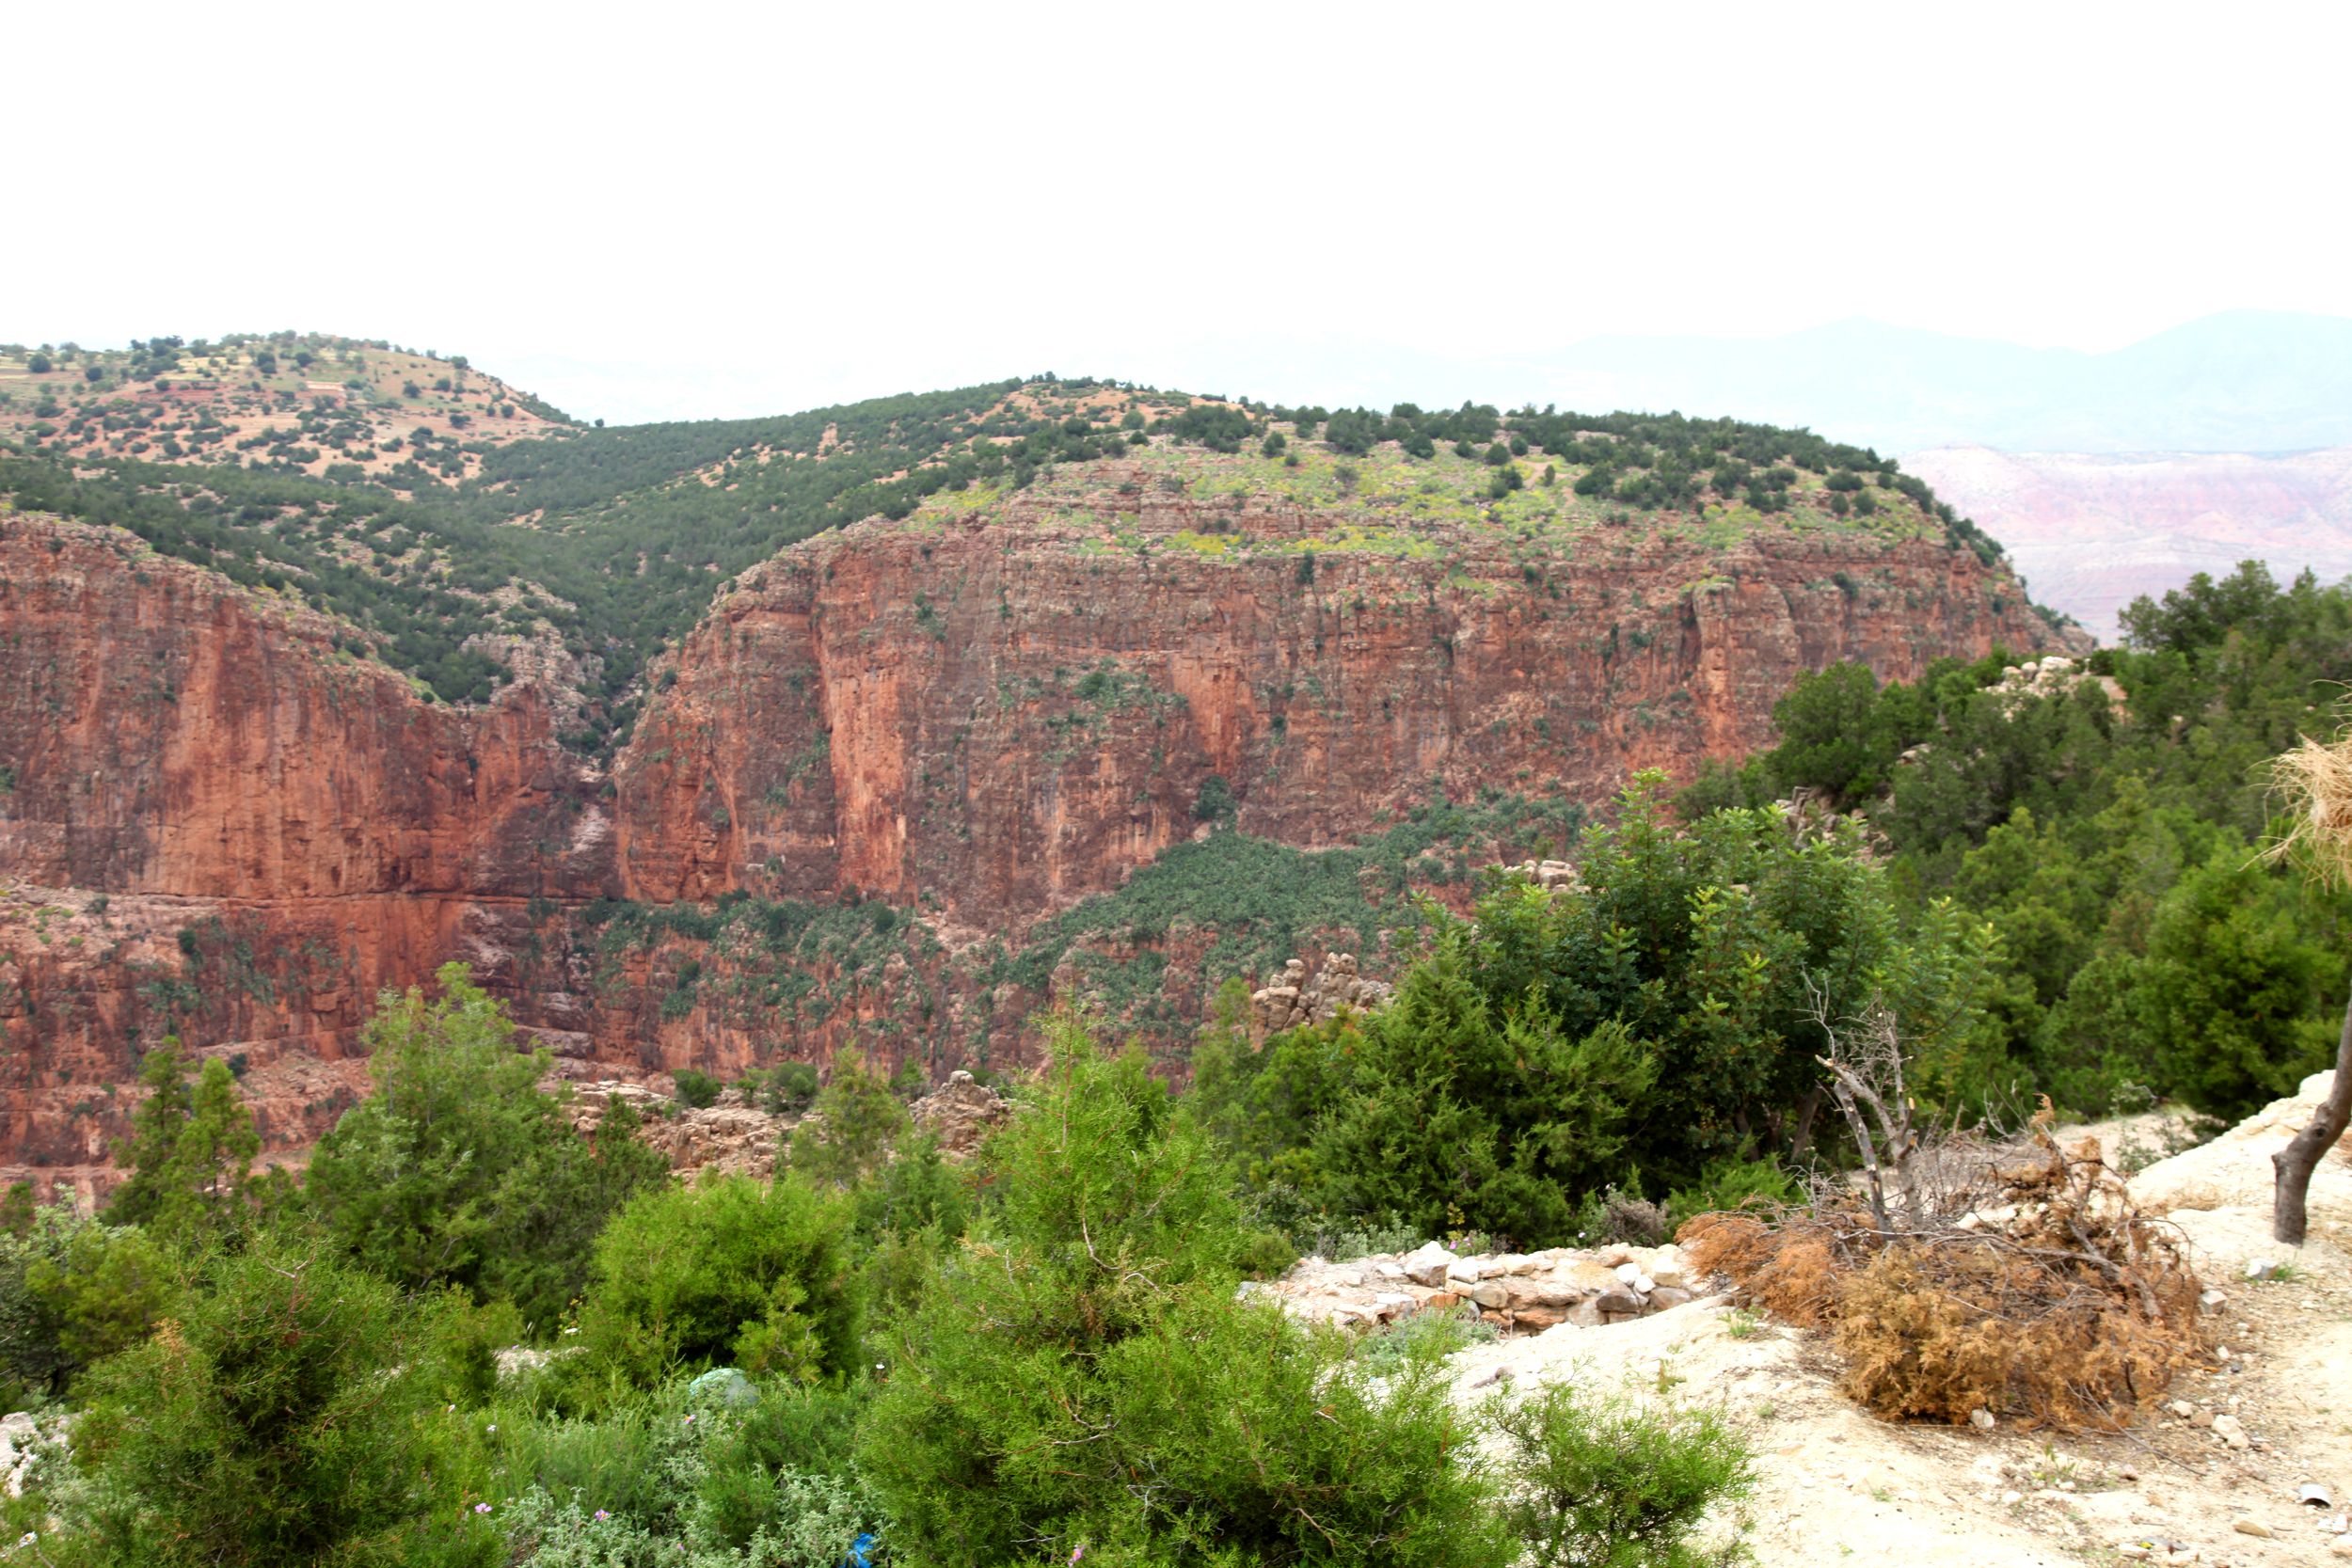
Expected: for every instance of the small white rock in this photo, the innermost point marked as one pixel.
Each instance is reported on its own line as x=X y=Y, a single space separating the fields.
x=1981 y=1419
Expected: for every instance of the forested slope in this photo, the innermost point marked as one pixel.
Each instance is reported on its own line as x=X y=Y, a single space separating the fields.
x=2110 y=830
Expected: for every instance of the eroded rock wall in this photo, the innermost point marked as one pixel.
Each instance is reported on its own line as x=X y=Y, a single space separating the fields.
x=1007 y=715
x=217 y=824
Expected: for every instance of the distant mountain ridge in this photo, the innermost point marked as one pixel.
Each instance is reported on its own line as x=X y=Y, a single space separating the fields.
x=2245 y=381
x=2091 y=533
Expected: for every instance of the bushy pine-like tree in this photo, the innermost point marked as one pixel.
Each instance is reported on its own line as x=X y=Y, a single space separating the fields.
x=1084 y=1375
x=190 y=1148
x=461 y=1171
x=285 y=1415
x=729 y=1272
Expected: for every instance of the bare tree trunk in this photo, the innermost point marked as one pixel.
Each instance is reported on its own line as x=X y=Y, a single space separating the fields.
x=2303 y=1153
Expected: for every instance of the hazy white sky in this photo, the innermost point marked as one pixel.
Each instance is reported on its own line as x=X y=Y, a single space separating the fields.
x=687 y=210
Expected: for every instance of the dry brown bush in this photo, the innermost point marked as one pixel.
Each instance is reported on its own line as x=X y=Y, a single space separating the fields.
x=1788 y=1264
x=2052 y=1300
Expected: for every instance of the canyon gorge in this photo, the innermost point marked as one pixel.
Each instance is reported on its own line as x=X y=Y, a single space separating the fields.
x=881 y=763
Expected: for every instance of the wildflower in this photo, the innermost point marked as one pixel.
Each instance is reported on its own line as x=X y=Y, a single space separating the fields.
x=1078 y=1551
x=28 y=1538
x=602 y=1514
x=482 y=1508
x=689 y=1421
x=494 y=1426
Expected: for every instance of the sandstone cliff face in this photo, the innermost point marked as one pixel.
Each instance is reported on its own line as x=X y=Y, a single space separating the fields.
x=215 y=825
x=170 y=732
x=1006 y=713
x=899 y=742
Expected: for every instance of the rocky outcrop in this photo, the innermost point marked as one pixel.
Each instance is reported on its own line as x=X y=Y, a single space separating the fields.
x=166 y=732
x=960 y=1114
x=1007 y=712
x=2055 y=676
x=1295 y=998
x=1517 y=1292
x=729 y=1136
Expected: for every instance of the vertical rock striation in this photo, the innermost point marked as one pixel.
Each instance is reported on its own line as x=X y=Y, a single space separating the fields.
x=898 y=740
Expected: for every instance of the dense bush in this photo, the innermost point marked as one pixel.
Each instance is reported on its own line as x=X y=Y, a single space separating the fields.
x=1087 y=1335
x=2109 y=844
x=73 y=1291
x=286 y=1416
x=729 y=1272
x=695 y=1089
x=460 y=1170
x=1654 y=1024
x=675 y=1479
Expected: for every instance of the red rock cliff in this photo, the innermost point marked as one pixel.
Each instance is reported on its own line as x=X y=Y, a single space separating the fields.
x=215 y=824
x=1002 y=713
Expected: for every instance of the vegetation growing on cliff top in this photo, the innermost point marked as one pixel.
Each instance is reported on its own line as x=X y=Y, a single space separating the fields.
x=2109 y=844
x=609 y=544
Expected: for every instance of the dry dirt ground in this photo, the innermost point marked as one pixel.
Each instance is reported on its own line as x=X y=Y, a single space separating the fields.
x=1835 y=1483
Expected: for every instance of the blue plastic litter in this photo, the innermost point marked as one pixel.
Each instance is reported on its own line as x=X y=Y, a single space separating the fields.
x=860 y=1551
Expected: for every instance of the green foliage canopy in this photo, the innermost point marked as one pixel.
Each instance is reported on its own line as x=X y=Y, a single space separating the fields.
x=460 y=1169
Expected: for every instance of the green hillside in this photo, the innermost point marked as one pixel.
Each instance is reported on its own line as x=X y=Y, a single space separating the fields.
x=612 y=543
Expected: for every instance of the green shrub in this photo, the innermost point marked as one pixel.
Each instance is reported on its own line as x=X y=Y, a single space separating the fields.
x=1089 y=1335
x=764 y=1482
x=1602 y=1483
x=1654 y=1017
x=284 y=1416
x=785 y=1088
x=460 y=1170
x=1460 y=1111
x=72 y=1291
x=729 y=1272
x=695 y=1089
x=854 y=1126
x=190 y=1148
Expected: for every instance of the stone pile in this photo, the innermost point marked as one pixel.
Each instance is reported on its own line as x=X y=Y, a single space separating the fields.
x=1295 y=998
x=960 y=1112
x=1548 y=874
x=1517 y=1292
x=20 y=1440
x=738 y=1138
x=2053 y=677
